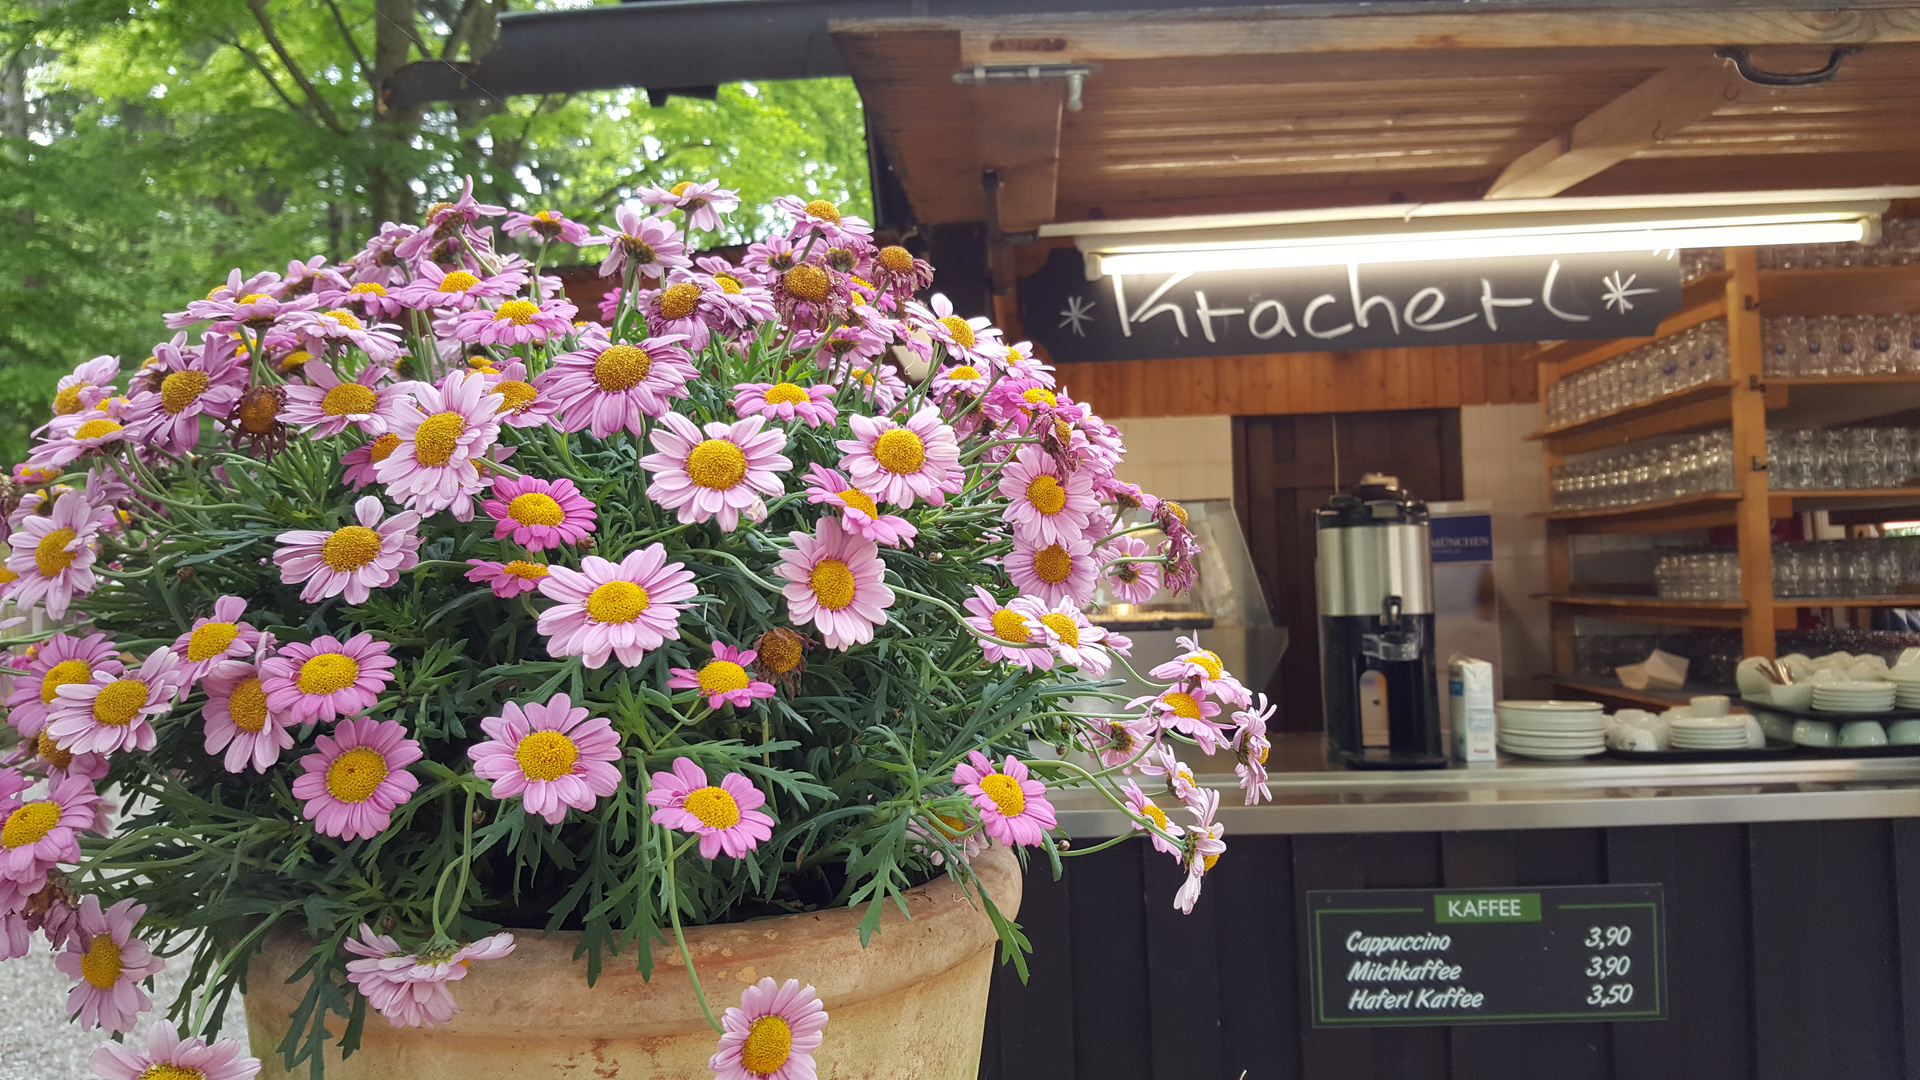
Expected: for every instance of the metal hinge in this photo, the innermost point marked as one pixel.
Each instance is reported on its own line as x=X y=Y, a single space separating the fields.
x=1074 y=74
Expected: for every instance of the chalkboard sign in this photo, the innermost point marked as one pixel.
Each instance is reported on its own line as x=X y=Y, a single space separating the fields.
x=1401 y=957
x=1333 y=308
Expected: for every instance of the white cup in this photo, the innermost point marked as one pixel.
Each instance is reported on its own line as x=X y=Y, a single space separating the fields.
x=1814 y=733
x=1710 y=705
x=1863 y=733
x=1904 y=733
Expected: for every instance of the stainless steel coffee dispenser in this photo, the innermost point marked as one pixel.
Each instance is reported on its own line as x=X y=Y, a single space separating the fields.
x=1376 y=628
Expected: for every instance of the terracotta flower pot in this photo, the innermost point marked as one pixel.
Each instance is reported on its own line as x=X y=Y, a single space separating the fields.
x=912 y=1004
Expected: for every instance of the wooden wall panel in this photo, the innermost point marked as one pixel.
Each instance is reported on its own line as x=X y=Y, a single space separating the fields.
x=1364 y=380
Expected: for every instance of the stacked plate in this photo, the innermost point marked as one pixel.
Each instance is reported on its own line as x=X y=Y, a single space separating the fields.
x=1853 y=697
x=1906 y=687
x=1552 y=730
x=1710 y=733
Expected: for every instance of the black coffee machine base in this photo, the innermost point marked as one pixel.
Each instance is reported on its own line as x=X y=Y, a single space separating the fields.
x=1380 y=757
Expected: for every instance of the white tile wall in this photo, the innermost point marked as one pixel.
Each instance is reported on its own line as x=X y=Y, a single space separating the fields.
x=1179 y=457
x=1503 y=468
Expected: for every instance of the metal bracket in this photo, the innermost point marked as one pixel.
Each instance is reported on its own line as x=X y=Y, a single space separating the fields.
x=1744 y=64
x=1758 y=464
x=1074 y=74
x=1754 y=384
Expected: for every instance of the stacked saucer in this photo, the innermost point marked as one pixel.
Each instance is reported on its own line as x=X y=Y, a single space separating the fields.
x=1710 y=733
x=1906 y=686
x=1853 y=697
x=1552 y=730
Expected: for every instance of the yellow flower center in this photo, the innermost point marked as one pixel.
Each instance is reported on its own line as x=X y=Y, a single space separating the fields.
x=355 y=775
x=435 y=439
x=520 y=312
x=516 y=395
x=1154 y=814
x=963 y=371
x=1039 y=395
x=679 y=301
x=94 y=429
x=786 y=393
x=50 y=751
x=349 y=399
x=50 y=555
x=1008 y=625
x=780 y=650
x=259 y=412
x=161 y=1070
x=862 y=374
x=350 y=548
x=1046 y=495
x=680 y=188
x=345 y=318
x=181 y=389
x=253 y=298
x=896 y=259
x=535 y=508
x=548 y=216
x=248 y=705
x=1177 y=510
x=641 y=251
x=209 y=640
x=382 y=447
x=716 y=464
x=29 y=823
x=67 y=401
x=621 y=367
x=961 y=330
x=546 y=755
x=1053 y=564
x=1183 y=705
x=1005 y=792
x=294 y=359
x=617 y=602
x=8 y=577
x=769 y=1044
x=808 y=282
x=824 y=210
x=520 y=568
x=1207 y=861
x=327 y=673
x=459 y=281
x=899 y=451
x=1208 y=662
x=861 y=501
x=714 y=807
x=728 y=284
x=119 y=702
x=1064 y=626
x=64 y=673
x=720 y=676
x=1262 y=756
x=369 y=288
x=832 y=584
x=100 y=964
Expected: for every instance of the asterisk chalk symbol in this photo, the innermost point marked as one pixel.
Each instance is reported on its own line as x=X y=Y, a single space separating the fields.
x=1077 y=314
x=1618 y=291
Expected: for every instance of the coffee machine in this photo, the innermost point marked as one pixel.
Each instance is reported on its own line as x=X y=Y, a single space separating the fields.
x=1375 y=578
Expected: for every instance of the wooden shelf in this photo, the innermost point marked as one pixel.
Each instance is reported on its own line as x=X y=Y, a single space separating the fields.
x=1599 y=686
x=1845 y=380
x=1652 y=609
x=1628 y=415
x=1892 y=496
x=1853 y=290
x=1693 y=512
x=1701 y=300
x=1797 y=602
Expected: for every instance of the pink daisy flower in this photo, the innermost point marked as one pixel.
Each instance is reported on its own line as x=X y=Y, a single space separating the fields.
x=522 y=403
x=859 y=514
x=992 y=619
x=724 y=679
x=1174 y=709
x=359 y=463
x=318 y=329
x=369 y=299
x=444 y=220
x=352 y=560
x=107 y=964
x=1044 y=505
x=1117 y=743
x=960 y=381
x=327 y=679
x=507 y=579
x=552 y=756
x=901 y=463
x=114 y=713
x=702 y=201
x=237 y=719
x=726 y=816
x=410 y=989
x=433 y=466
x=1013 y=806
x=718 y=476
x=834 y=582
x=515 y=322
x=218 y=637
x=1202 y=847
x=61 y=660
x=1250 y=746
x=620 y=609
x=53 y=556
x=604 y=387
x=879 y=385
x=356 y=777
x=1071 y=638
x=1054 y=572
x=969 y=341
x=785 y=400
x=547 y=226
x=819 y=215
x=167 y=1056
x=458 y=289
x=102 y=428
x=38 y=834
x=772 y=1034
x=1145 y=813
x=1130 y=582
x=539 y=514
x=197 y=381
x=644 y=245
x=325 y=405
x=1204 y=669
x=98 y=374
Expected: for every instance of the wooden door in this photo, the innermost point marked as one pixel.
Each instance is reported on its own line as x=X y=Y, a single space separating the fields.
x=1285 y=468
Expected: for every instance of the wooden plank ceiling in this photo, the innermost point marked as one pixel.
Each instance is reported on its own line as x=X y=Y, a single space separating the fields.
x=1177 y=121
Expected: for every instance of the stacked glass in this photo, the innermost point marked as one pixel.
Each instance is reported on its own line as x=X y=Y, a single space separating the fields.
x=1674 y=468
x=1888 y=566
x=1839 y=346
x=1698 y=575
x=1843 y=459
x=1656 y=369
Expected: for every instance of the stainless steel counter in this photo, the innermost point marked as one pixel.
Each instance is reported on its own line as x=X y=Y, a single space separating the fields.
x=1310 y=796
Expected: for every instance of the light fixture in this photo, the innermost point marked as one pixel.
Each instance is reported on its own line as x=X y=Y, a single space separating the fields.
x=1427 y=231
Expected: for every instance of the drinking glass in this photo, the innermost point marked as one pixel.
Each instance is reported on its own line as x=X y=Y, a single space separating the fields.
x=1876 y=334
x=1842 y=346
x=1813 y=360
x=1831 y=461
x=1864 y=463
x=1776 y=356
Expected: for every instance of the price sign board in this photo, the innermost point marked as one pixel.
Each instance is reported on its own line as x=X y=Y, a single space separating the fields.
x=1401 y=957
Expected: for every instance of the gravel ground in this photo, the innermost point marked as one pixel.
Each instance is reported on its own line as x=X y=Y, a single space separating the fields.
x=37 y=1042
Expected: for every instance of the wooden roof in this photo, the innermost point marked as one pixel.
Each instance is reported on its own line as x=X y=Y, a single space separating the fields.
x=1275 y=110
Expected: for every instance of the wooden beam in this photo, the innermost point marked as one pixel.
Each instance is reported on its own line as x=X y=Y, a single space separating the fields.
x=1016 y=131
x=1640 y=118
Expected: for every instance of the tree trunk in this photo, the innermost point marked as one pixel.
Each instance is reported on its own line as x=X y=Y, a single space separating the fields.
x=389 y=195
